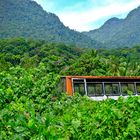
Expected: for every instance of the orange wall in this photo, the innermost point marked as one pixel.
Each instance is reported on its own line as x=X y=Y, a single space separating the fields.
x=69 y=86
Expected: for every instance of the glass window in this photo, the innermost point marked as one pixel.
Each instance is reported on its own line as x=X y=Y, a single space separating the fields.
x=111 y=89
x=127 y=88
x=79 y=87
x=115 y=89
x=94 y=89
x=108 y=89
x=76 y=88
x=98 y=89
x=138 y=88
x=90 y=89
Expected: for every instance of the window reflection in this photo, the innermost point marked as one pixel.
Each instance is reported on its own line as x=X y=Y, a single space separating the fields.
x=94 y=89
x=79 y=87
x=111 y=89
x=127 y=88
x=138 y=88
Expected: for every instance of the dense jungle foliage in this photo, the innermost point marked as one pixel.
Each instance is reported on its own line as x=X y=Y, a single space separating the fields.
x=29 y=53
x=32 y=108
x=111 y=62
x=67 y=59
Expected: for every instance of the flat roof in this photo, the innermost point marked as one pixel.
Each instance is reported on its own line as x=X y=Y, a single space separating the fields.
x=104 y=77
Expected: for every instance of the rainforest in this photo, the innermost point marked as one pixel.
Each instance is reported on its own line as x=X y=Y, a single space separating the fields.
x=37 y=49
x=31 y=107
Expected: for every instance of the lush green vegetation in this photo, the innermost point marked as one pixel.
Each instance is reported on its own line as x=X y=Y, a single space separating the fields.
x=67 y=59
x=119 y=32
x=29 y=20
x=32 y=108
x=111 y=62
x=29 y=53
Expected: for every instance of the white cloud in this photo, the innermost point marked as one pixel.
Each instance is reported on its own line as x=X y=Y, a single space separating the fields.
x=86 y=15
x=82 y=20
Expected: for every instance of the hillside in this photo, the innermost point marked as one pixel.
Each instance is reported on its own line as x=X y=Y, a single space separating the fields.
x=30 y=53
x=119 y=32
x=25 y=18
x=67 y=59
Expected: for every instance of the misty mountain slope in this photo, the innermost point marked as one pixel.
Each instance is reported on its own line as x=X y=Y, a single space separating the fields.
x=119 y=32
x=25 y=18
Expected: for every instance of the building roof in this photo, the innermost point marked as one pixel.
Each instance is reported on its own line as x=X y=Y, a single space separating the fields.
x=105 y=77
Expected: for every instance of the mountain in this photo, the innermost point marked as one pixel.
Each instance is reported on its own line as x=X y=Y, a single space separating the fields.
x=119 y=32
x=25 y=18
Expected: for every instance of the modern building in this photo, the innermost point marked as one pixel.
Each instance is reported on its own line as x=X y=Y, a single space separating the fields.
x=101 y=87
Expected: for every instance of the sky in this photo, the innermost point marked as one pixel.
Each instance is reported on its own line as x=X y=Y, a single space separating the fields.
x=85 y=15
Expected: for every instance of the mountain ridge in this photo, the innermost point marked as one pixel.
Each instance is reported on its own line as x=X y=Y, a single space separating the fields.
x=29 y=20
x=119 y=32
